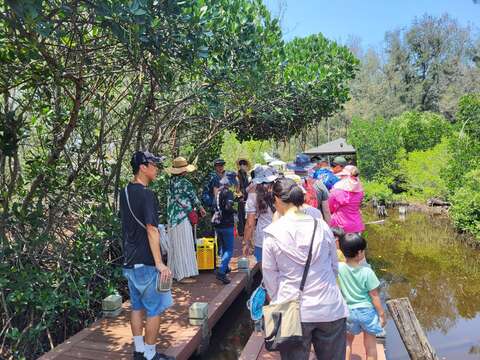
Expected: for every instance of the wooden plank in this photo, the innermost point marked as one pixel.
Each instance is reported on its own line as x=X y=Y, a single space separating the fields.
x=80 y=353
x=117 y=347
x=411 y=332
x=255 y=350
x=253 y=347
x=69 y=343
x=112 y=337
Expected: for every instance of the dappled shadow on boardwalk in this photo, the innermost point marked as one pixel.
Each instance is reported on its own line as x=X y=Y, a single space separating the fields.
x=255 y=350
x=112 y=338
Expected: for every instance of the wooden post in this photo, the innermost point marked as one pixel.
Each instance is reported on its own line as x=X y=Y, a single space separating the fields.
x=411 y=332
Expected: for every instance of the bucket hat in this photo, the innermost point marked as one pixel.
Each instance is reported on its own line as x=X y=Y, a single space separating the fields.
x=301 y=164
x=265 y=174
x=180 y=165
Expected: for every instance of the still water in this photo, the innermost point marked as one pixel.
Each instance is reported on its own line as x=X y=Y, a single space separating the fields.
x=424 y=259
x=420 y=257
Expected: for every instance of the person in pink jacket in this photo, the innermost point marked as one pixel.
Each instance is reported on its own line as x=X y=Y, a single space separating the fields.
x=345 y=201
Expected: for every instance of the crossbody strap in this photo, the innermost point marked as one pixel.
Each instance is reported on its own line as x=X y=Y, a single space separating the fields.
x=217 y=205
x=131 y=211
x=309 y=258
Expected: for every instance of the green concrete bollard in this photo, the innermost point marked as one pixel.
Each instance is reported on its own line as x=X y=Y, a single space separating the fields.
x=112 y=302
x=112 y=306
x=243 y=265
x=198 y=313
x=112 y=313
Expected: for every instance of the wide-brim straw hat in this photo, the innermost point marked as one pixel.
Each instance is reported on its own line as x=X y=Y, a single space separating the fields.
x=249 y=165
x=180 y=165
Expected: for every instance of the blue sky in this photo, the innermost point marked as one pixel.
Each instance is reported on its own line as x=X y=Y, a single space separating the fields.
x=367 y=19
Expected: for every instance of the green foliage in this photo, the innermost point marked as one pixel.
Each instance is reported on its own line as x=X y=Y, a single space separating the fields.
x=69 y=291
x=422 y=171
x=421 y=130
x=232 y=150
x=377 y=144
x=377 y=190
x=465 y=210
x=83 y=85
x=464 y=153
x=319 y=70
x=468 y=115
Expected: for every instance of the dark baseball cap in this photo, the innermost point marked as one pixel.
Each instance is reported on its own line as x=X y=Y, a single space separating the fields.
x=145 y=157
x=218 y=162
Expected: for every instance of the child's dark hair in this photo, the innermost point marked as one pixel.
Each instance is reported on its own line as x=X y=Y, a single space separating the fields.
x=338 y=232
x=288 y=191
x=351 y=244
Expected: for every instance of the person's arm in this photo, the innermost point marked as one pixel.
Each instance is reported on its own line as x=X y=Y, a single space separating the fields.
x=270 y=269
x=336 y=199
x=192 y=195
x=150 y=207
x=326 y=212
x=333 y=203
x=332 y=249
x=250 y=210
x=378 y=305
x=248 y=233
x=154 y=242
x=372 y=284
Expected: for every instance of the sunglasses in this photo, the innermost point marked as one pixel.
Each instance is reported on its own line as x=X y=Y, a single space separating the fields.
x=158 y=166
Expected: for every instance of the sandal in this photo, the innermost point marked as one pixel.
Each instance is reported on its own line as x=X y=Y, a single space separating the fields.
x=187 y=281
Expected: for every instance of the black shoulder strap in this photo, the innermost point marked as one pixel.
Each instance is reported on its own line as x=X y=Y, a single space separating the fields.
x=309 y=258
x=131 y=211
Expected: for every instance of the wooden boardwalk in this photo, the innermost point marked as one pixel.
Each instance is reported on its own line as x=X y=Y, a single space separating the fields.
x=112 y=338
x=254 y=350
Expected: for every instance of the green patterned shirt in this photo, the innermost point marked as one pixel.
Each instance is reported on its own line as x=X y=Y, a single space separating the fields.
x=182 y=198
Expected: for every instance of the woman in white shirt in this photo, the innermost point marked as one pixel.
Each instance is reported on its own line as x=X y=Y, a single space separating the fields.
x=285 y=251
x=259 y=209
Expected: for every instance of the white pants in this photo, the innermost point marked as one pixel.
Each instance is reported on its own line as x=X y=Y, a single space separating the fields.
x=182 y=258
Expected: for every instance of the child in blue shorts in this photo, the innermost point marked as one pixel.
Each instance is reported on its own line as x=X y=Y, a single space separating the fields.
x=359 y=286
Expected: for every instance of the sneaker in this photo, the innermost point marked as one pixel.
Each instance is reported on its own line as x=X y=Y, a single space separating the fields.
x=160 y=356
x=138 y=355
x=223 y=278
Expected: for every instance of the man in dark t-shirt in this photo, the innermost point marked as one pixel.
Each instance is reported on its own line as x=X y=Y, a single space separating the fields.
x=143 y=265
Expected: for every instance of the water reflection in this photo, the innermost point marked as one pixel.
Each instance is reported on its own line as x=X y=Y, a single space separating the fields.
x=422 y=258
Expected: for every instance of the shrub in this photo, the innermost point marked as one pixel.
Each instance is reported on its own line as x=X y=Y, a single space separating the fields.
x=465 y=209
x=377 y=190
x=376 y=143
x=422 y=170
x=468 y=115
x=421 y=130
x=464 y=157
